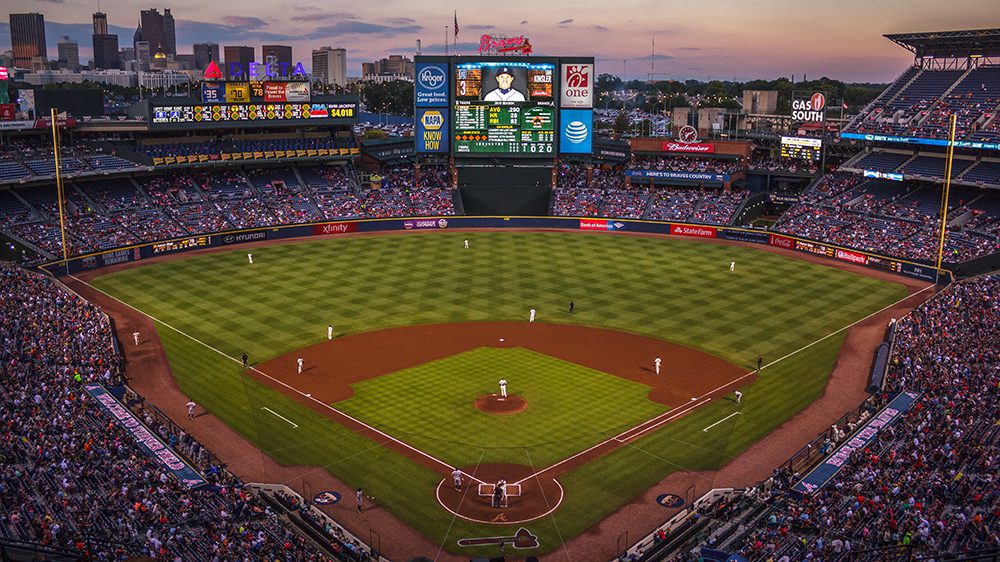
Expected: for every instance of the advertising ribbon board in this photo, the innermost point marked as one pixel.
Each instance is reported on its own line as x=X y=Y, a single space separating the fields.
x=148 y=441
x=672 y=175
x=822 y=474
x=696 y=231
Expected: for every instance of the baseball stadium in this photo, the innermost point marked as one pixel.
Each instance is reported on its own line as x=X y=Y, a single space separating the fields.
x=241 y=328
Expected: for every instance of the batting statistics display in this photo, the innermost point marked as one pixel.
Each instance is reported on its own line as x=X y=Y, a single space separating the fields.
x=504 y=107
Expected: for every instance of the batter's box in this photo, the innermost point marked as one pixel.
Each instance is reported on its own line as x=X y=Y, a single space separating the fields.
x=513 y=490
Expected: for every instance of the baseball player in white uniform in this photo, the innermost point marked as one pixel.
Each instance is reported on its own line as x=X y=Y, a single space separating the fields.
x=504 y=92
x=466 y=244
x=456 y=476
x=250 y=258
x=300 y=362
x=732 y=266
x=503 y=388
x=190 y=406
x=656 y=364
x=531 y=315
x=329 y=332
x=739 y=396
x=135 y=336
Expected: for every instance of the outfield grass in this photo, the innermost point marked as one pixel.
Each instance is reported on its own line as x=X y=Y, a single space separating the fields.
x=570 y=407
x=672 y=289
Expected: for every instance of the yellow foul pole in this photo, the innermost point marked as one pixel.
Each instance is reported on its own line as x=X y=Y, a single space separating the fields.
x=947 y=189
x=59 y=185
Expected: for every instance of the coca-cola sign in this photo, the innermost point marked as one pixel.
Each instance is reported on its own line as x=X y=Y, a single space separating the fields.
x=700 y=148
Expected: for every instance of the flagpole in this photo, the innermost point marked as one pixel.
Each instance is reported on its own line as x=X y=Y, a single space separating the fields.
x=947 y=188
x=59 y=186
x=446 y=40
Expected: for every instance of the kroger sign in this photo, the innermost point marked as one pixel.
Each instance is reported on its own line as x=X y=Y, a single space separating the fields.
x=432 y=84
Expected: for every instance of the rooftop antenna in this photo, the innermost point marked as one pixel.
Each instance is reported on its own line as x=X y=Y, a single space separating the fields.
x=652 y=60
x=418 y=47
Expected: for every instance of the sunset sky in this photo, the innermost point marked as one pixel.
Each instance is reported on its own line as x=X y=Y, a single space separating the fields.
x=719 y=39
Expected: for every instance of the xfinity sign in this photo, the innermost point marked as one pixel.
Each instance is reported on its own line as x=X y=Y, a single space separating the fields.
x=809 y=109
x=432 y=84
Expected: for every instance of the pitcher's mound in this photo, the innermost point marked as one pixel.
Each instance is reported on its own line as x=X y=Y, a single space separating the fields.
x=496 y=404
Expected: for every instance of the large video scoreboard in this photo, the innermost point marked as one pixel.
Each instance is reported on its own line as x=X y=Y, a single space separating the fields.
x=504 y=106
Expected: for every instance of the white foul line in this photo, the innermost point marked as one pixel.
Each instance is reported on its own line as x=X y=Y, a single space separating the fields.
x=295 y=425
x=282 y=383
x=722 y=420
x=656 y=421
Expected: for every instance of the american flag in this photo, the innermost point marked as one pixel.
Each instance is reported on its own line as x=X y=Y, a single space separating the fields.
x=456 y=23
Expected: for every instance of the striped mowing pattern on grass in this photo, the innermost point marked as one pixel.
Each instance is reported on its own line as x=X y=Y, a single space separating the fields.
x=570 y=407
x=672 y=289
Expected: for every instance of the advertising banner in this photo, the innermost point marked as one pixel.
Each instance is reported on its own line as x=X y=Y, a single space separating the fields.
x=743 y=235
x=852 y=257
x=672 y=175
x=696 y=147
x=576 y=131
x=825 y=472
x=696 y=231
x=244 y=237
x=286 y=91
x=419 y=224
x=431 y=131
x=976 y=145
x=781 y=241
x=809 y=109
x=213 y=92
x=334 y=228
x=237 y=92
x=148 y=441
x=577 y=85
x=875 y=174
x=431 y=86
x=601 y=224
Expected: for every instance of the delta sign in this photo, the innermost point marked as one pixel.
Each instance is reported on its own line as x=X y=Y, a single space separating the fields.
x=256 y=70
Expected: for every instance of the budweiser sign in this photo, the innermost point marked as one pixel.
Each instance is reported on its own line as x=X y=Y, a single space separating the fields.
x=702 y=148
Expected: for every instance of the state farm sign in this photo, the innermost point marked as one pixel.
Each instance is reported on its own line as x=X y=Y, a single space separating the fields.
x=578 y=85
x=701 y=148
x=696 y=231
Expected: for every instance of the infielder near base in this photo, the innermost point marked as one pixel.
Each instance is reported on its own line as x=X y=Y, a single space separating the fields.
x=456 y=476
x=531 y=315
x=300 y=362
x=503 y=388
x=656 y=364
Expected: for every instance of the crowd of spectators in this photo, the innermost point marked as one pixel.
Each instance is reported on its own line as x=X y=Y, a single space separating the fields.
x=121 y=212
x=72 y=477
x=841 y=210
x=686 y=164
x=930 y=481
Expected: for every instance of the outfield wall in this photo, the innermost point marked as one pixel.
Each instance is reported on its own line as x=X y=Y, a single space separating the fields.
x=918 y=270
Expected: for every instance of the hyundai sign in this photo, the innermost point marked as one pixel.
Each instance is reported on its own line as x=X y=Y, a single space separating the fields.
x=432 y=84
x=576 y=131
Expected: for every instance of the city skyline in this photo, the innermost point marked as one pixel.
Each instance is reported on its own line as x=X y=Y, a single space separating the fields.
x=724 y=42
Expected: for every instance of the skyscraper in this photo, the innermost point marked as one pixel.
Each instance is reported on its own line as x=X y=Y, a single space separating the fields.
x=158 y=29
x=69 y=54
x=106 y=55
x=100 y=23
x=330 y=65
x=27 y=37
x=205 y=53
x=169 y=35
x=277 y=54
x=238 y=58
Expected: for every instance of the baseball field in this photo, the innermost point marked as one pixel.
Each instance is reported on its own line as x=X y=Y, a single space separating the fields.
x=424 y=329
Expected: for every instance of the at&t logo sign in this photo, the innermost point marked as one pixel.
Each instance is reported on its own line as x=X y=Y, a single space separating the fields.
x=576 y=132
x=431 y=77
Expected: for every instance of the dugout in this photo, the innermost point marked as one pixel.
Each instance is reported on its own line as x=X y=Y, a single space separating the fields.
x=505 y=189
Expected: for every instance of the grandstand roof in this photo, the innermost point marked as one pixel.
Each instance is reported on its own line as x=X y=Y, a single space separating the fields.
x=950 y=44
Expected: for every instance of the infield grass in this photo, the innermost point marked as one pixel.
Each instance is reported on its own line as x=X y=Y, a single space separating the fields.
x=672 y=289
